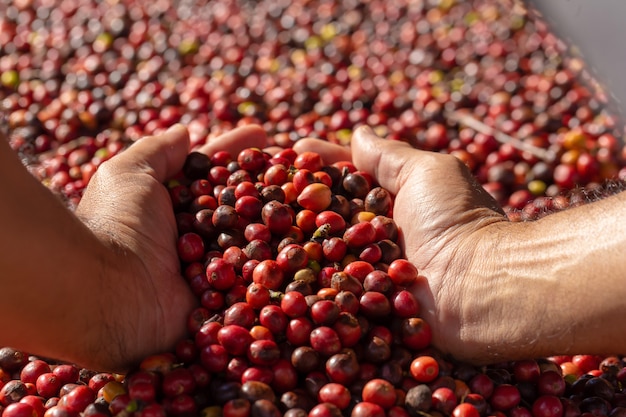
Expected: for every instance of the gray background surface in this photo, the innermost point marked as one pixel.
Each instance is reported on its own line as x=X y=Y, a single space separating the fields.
x=598 y=29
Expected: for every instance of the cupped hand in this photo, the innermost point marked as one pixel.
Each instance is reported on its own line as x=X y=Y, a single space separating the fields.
x=444 y=215
x=145 y=300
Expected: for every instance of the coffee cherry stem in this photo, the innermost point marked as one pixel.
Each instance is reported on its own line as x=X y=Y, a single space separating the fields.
x=464 y=118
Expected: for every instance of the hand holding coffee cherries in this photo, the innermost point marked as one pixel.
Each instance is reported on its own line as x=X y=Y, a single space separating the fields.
x=101 y=287
x=495 y=290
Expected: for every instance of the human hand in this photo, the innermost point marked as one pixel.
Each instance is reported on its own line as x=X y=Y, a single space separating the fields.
x=144 y=299
x=444 y=216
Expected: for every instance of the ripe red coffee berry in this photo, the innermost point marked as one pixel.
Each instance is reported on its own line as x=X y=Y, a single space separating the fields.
x=33 y=369
x=301 y=179
x=36 y=402
x=67 y=373
x=214 y=357
x=19 y=409
x=374 y=305
x=48 y=385
x=220 y=274
x=178 y=381
x=325 y=409
x=415 y=333
x=235 y=339
x=218 y=175
x=334 y=249
x=257 y=231
x=142 y=391
x=404 y=304
x=551 y=382
x=402 y=272
x=286 y=377
x=263 y=352
x=371 y=253
x=292 y=258
x=325 y=340
x=240 y=313
x=482 y=385
x=294 y=304
x=465 y=410
x=444 y=400
x=78 y=398
x=275 y=319
x=251 y=159
x=358 y=269
x=201 y=187
x=348 y=329
x=526 y=370
x=359 y=235
x=248 y=207
x=299 y=330
x=269 y=274
x=276 y=175
x=257 y=295
x=13 y=391
x=386 y=228
x=190 y=247
x=247 y=188
x=336 y=394
x=367 y=409
x=424 y=369
x=547 y=406
x=378 y=280
x=257 y=373
x=379 y=391
x=324 y=312
x=587 y=363
x=99 y=380
x=309 y=160
x=505 y=397
x=220 y=158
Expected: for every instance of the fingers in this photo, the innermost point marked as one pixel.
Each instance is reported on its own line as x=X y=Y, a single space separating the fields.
x=273 y=150
x=330 y=152
x=395 y=164
x=389 y=161
x=164 y=154
x=248 y=136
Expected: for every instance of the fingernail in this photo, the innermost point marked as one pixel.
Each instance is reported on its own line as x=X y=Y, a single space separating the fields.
x=365 y=130
x=178 y=127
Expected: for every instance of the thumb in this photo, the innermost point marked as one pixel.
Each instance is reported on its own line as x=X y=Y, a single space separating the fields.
x=162 y=155
x=389 y=161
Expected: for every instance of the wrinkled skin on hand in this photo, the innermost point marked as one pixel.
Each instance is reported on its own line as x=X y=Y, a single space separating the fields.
x=144 y=301
x=441 y=212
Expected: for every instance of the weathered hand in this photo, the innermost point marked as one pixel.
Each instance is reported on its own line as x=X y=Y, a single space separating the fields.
x=144 y=299
x=442 y=213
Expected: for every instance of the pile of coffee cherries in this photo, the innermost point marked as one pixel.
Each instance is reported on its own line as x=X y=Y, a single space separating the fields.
x=306 y=309
x=306 y=303
x=81 y=79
